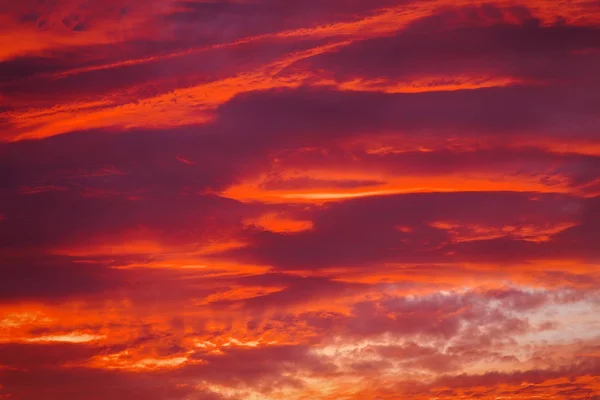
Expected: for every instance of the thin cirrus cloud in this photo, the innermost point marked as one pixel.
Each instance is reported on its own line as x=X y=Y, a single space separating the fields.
x=291 y=200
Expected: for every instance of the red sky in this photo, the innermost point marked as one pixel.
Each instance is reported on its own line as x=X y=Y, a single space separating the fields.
x=317 y=199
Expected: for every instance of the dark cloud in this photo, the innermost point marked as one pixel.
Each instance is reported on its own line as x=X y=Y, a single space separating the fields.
x=279 y=183
x=242 y=19
x=24 y=356
x=110 y=183
x=366 y=231
x=477 y=41
x=90 y=72
x=491 y=379
x=77 y=383
x=520 y=163
x=181 y=219
x=298 y=116
x=264 y=369
x=53 y=278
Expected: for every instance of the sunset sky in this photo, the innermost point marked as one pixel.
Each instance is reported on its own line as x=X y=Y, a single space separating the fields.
x=299 y=199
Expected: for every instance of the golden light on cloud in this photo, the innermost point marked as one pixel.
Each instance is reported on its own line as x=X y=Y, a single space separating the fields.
x=279 y=224
x=251 y=191
x=128 y=362
x=72 y=337
x=240 y=293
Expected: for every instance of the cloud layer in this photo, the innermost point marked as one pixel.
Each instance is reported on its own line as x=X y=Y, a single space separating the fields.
x=299 y=200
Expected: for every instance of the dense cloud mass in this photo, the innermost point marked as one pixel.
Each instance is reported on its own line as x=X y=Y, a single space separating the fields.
x=323 y=199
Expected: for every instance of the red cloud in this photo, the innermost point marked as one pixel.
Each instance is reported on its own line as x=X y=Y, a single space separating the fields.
x=300 y=199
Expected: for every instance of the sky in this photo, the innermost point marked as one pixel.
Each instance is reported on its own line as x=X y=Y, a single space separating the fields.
x=299 y=199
